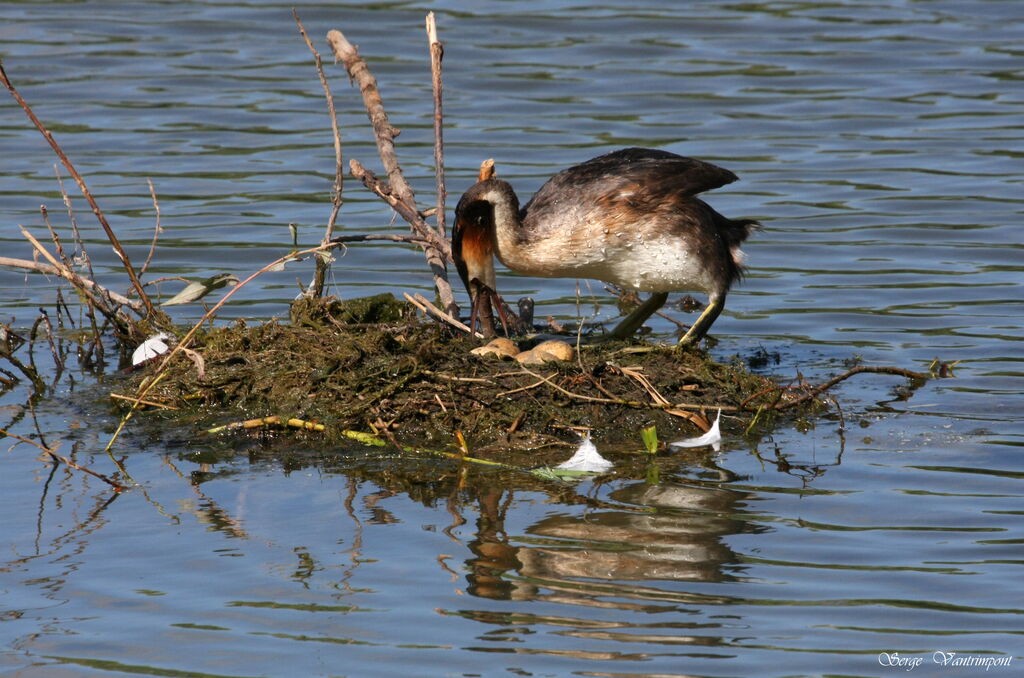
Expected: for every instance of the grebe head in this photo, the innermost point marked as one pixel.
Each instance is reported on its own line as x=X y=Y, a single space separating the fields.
x=493 y=191
x=487 y=205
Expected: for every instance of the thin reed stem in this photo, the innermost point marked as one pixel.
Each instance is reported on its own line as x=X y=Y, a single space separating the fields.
x=436 y=55
x=323 y=263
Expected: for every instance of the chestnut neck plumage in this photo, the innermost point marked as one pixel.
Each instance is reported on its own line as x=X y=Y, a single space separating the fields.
x=505 y=223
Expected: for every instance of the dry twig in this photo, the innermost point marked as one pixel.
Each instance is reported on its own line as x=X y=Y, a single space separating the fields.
x=814 y=391
x=367 y=237
x=149 y=403
x=86 y=287
x=156 y=229
x=636 y=373
x=629 y=403
x=422 y=304
x=96 y=344
x=272 y=420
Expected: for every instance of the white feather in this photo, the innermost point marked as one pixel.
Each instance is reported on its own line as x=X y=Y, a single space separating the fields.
x=713 y=437
x=150 y=348
x=587 y=459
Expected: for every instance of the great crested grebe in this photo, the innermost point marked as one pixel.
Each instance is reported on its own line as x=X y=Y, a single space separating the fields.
x=630 y=217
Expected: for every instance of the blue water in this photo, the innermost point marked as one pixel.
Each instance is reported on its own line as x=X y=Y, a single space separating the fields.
x=880 y=145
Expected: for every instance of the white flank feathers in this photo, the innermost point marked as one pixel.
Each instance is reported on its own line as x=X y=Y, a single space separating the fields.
x=586 y=459
x=713 y=437
x=150 y=348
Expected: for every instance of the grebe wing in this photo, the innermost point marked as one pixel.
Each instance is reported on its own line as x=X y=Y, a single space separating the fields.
x=634 y=175
x=689 y=175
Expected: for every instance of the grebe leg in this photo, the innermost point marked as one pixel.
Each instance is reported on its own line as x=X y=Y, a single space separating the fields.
x=698 y=329
x=513 y=323
x=634 y=320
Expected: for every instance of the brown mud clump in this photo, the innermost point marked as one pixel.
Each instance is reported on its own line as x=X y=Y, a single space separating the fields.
x=371 y=365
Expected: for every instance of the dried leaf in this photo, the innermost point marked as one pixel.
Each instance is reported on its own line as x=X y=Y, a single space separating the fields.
x=281 y=265
x=200 y=288
x=198 y=361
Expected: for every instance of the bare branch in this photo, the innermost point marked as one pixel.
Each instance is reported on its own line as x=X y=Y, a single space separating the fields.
x=407 y=212
x=367 y=237
x=114 y=242
x=70 y=276
x=860 y=369
x=383 y=130
x=397 y=193
x=422 y=304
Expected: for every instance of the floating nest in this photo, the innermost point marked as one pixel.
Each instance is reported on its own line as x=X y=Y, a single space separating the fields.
x=371 y=365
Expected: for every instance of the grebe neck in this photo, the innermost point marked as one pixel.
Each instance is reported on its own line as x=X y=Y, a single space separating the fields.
x=505 y=214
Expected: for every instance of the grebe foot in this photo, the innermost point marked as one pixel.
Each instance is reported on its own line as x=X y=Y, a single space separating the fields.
x=700 y=328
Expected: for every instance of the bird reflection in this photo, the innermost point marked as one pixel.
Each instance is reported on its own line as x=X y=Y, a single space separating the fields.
x=662 y=532
x=494 y=556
